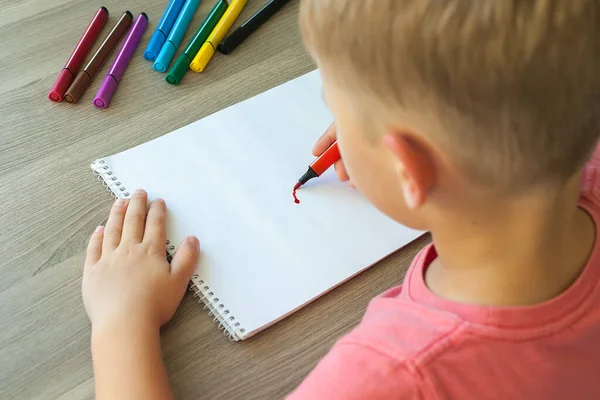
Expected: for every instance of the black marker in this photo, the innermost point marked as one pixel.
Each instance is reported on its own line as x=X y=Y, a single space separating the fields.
x=250 y=26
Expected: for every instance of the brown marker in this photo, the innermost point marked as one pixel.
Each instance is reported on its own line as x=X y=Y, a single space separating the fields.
x=85 y=77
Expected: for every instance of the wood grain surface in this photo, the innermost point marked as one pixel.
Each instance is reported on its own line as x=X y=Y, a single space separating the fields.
x=50 y=204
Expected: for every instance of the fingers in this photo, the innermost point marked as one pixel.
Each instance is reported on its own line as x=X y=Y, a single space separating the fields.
x=184 y=262
x=155 y=234
x=94 y=249
x=323 y=144
x=325 y=140
x=342 y=174
x=135 y=218
x=114 y=226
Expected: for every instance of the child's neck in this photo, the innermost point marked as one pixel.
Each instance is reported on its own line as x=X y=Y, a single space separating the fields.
x=521 y=253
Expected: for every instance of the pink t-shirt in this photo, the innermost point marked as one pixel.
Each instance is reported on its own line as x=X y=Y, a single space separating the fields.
x=412 y=344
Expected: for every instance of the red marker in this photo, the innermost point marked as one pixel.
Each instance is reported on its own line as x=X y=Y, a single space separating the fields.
x=67 y=75
x=318 y=167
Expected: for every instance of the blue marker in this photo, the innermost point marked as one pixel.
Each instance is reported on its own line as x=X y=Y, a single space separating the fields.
x=163 y=29
x=176 y=36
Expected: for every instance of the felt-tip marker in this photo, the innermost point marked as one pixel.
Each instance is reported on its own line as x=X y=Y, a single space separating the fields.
x=163 y=29
x=318 y=167
x=71 y=68
x=119 y=65
x=163 y=59
x=182 y=63
x=84 y=78
x=251 y=25
x=217 y=35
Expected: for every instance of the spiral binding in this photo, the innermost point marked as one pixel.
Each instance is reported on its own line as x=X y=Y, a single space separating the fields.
x=221 y=315
x=216 y=309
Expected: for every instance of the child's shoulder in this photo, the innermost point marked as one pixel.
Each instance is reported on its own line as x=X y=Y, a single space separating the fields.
x=382 y=356
x=402 y=329
x=399 y=326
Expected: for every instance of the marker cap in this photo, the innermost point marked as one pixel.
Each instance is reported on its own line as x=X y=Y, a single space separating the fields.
x=78 y=87
x=203 y=57
x=106 y=92
x=62 y=83
x=164 y=57
x=155 y=44
x=178 y=69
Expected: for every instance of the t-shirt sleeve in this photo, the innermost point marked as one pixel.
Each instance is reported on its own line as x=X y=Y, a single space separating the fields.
x=354 y=371
x=590 y=185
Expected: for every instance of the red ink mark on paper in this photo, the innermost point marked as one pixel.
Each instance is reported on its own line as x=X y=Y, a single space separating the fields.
x=296 y=187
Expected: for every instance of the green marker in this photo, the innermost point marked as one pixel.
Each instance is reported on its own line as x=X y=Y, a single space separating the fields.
x=182 y=64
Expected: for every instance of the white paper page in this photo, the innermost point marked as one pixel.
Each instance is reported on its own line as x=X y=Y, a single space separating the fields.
x=228 y=178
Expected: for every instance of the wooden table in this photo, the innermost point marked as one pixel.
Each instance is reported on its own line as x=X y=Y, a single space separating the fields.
x=51 y=203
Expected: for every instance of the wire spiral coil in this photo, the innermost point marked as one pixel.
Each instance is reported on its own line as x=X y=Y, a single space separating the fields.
x=221 y=315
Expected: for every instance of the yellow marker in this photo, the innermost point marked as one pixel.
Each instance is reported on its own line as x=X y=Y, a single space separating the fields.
x=217 y=35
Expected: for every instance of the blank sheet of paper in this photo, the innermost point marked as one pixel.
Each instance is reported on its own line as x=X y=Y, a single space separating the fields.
x=228 y=178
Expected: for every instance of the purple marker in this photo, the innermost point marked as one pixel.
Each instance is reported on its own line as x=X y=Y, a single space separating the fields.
x=119 y=65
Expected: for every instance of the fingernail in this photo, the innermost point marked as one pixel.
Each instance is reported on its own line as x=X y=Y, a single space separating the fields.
x=120 y=202
x=99 y=229
x=139 y=191
x=193 y=240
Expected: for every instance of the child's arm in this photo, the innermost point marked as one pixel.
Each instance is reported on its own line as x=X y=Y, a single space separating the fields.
x=129 y=292
x=128 y=364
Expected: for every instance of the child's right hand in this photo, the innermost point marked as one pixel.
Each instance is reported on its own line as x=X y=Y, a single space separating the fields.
x=323 y=144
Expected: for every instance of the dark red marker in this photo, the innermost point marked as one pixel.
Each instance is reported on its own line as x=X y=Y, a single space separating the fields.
x=67 y=75
x=318 y=167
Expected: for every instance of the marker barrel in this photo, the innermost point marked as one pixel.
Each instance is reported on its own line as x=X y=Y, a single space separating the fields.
x=119 y=65
x=232 y=41
x=327 y=159
x=179 y=69
x=83 y=47
x=159 y=37
x=208 y=49
x=176 y=36
x=84 y=78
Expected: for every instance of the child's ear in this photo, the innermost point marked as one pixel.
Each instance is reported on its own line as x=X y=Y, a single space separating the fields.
x=416 y=171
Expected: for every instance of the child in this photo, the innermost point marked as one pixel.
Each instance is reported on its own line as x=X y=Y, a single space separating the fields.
x=471 y=119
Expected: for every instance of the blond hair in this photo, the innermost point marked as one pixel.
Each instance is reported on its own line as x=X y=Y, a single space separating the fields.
x=515 y=83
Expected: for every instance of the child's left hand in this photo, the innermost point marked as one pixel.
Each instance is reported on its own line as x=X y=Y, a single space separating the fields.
x=127 y=280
